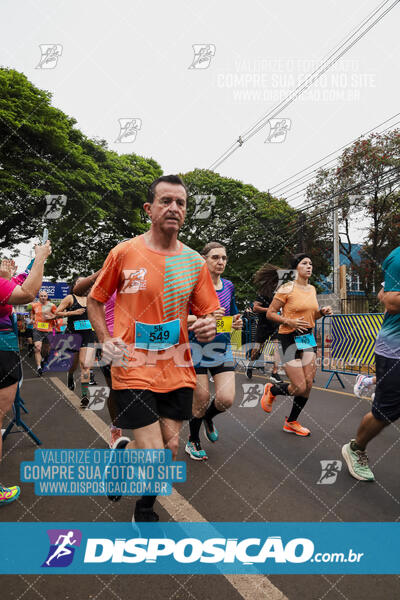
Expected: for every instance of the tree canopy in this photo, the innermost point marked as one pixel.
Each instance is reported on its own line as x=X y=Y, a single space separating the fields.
x=365 y=185
x=44 y=153
x=252 y=225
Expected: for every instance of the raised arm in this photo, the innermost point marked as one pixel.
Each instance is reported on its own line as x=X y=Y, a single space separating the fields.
x=85 y=284
x=28 y=290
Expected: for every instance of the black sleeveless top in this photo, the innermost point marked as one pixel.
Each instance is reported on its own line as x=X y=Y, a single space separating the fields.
x=73 y=318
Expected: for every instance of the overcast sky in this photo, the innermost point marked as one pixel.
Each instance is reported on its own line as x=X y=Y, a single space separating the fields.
x=130 y=60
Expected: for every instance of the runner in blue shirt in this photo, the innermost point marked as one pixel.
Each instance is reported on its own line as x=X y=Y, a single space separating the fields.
x=386 y=404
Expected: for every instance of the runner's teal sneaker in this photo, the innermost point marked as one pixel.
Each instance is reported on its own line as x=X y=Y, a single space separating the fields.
x=357 y=463
x=211 y=431
x=195 y=451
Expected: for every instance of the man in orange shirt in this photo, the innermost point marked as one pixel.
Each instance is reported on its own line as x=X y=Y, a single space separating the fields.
x=155 y=277
x=43 y=316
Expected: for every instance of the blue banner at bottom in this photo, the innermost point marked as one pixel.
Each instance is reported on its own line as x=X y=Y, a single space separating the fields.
x=199 y=548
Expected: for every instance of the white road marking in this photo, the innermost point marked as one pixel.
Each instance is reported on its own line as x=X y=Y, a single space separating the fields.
x=250 y=587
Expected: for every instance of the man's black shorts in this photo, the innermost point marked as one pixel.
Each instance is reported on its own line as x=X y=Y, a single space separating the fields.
x=10 y=368
x=138 y=408
x=386 y=404
x=41 y=336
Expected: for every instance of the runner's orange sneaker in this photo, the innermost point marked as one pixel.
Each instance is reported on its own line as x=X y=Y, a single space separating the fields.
x=295 y=427
x=267 y=399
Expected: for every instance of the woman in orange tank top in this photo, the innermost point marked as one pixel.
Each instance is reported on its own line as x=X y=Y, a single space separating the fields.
x=298 y=306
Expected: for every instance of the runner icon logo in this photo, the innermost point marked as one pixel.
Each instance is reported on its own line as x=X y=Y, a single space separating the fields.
x=54 y=205
x=329 y=471
x=128 y=129
x=98 y=396
x=63 y=543
x=50 y=54
x=203 y=53
x=203 y=206
x=278 y=129
x=134 y=281
x=252 y=393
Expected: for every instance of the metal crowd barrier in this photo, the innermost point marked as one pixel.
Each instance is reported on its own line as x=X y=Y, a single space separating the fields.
x=243 y=341
x=19 y=404
x=348 y=344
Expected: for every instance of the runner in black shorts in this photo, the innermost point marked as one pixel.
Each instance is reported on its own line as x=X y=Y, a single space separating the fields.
x=386 y=403
x=42 y=314
x=155 y=277
x=74 y=308
x=220 y=365
x=298 y=305
x=266 y=281
x=14 y=290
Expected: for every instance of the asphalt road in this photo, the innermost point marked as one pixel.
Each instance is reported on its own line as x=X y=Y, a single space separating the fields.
x=255 y=472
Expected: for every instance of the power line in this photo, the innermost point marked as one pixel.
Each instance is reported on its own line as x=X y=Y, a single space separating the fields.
x=300 y=206
x=280 y=185
x=324 y=66
x=361 y=185
x=346 y=190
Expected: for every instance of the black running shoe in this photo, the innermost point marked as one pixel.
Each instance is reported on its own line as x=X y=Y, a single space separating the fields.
x=275 y=378
x=249 y=372
x=71 y=382
x=39 y=371
x=84 y=402
x=92 y=380
x=119 y=445
x=145 y=515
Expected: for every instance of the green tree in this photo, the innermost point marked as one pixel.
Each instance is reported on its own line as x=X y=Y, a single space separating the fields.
x=251 y=224
x=44 y=153
x=365 y=185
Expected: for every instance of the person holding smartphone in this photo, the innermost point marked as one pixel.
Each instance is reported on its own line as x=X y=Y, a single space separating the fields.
x=298 y=306
x=14 y=290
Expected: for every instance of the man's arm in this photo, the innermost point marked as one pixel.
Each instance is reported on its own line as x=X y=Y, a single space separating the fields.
x=85 y=284
x=391 y=301
x=257 y=308
x=98 y=319
x=204 y=328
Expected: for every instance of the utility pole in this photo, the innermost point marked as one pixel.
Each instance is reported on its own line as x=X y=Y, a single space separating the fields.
x=300 y=233
x=336 y=253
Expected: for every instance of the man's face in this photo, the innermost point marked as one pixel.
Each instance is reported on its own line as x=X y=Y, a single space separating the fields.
x=43 y=297
x=168 y=210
